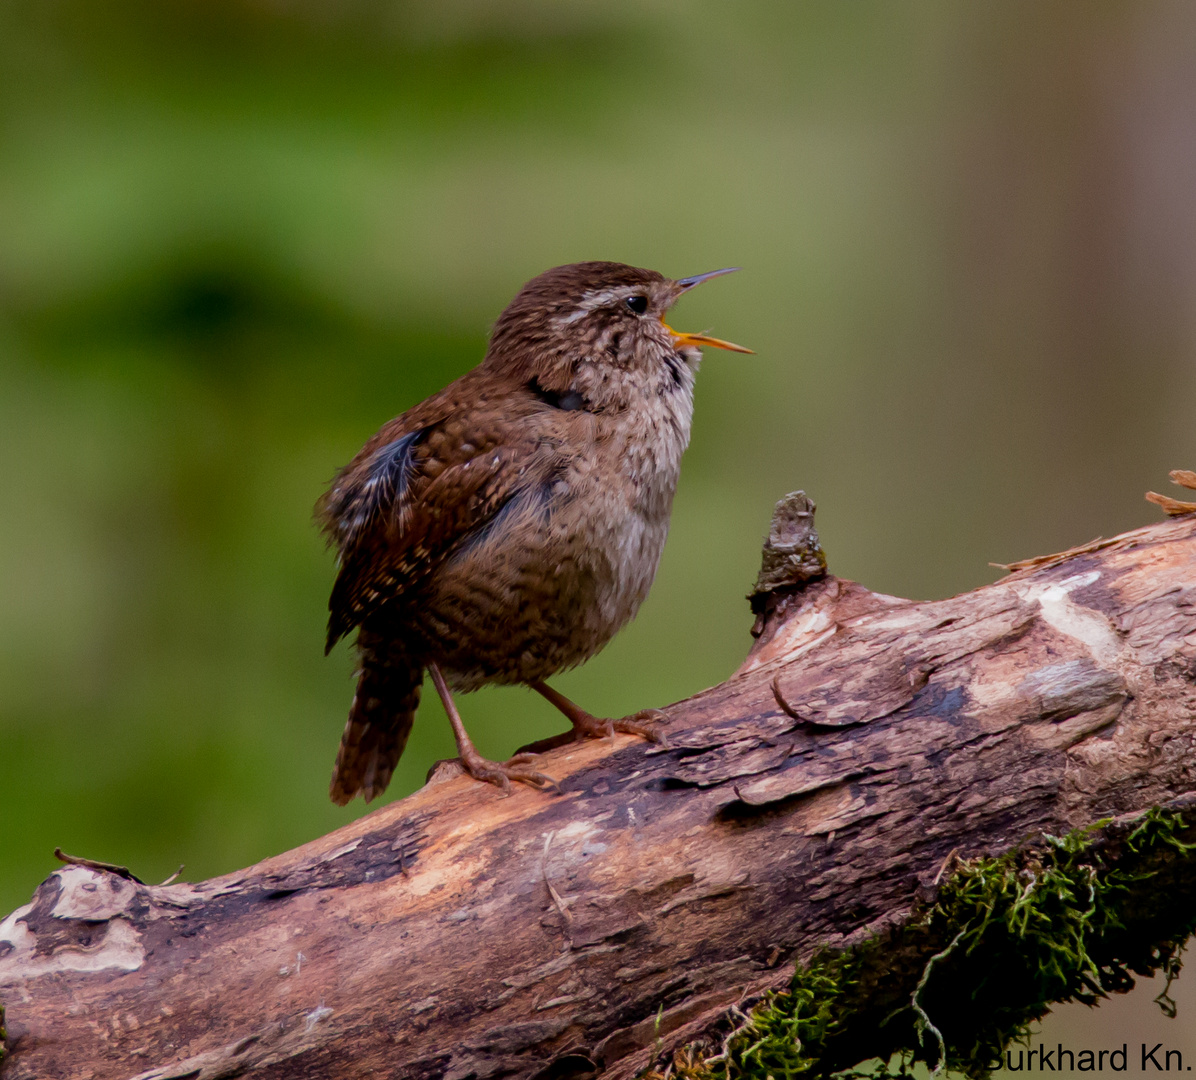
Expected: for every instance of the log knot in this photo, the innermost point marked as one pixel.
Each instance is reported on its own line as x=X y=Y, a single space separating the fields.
x=792 y=555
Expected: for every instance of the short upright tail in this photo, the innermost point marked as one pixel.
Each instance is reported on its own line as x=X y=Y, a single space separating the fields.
x=380 y=718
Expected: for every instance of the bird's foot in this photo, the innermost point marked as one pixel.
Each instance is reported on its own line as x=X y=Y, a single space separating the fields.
x=642 y=723
x=470 y=761
x=500 y=774
x=594 y=727
x=587 y=726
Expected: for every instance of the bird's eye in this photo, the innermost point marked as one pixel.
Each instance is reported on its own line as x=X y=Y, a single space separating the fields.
x=638 y=304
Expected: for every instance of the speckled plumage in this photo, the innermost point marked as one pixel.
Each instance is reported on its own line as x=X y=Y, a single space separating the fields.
x=508 y=526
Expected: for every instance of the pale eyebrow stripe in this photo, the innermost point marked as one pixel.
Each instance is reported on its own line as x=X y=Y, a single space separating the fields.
x=595 y=299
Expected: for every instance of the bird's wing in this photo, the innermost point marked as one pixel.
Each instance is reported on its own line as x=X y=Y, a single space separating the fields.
x=407 y=502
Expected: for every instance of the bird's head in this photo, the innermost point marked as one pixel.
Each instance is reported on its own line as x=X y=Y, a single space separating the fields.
x=598 y=329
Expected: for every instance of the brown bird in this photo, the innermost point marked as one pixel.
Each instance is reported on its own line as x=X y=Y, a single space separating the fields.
x=507 y=527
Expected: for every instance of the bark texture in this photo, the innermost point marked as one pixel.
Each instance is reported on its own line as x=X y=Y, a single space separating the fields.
x=805 y=802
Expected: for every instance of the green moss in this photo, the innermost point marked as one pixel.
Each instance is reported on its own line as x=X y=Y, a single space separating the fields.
x=1063 y=919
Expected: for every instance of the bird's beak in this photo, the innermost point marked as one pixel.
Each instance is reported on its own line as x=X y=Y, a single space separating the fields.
x=681 y=340
x=699 y=340
x=689 y=282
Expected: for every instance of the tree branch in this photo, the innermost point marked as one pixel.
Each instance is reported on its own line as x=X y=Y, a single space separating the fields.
x=815 y=799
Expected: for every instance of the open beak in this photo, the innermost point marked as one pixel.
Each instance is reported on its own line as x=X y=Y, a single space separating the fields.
x=699 y=340
x=681 y=340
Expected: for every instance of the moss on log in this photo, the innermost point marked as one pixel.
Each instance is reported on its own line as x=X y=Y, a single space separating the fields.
x=1001 y=939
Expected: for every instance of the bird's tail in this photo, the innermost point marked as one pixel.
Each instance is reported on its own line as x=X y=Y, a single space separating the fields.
x=380 y=718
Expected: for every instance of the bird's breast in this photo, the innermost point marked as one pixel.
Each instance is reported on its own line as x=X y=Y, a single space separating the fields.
x=569 y=560
x=629 y=491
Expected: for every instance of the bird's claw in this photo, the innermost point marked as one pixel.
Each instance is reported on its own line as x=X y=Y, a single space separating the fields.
x=644 y=723
x=501 y=774
x=523 y=757
x=593 y=727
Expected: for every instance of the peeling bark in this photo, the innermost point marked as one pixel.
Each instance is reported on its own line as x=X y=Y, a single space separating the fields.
x=805 y=802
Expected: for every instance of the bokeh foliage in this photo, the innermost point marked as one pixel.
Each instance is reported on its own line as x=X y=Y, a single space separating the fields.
x=237 y=235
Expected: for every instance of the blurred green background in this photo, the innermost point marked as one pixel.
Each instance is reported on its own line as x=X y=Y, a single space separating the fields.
x=238 y=235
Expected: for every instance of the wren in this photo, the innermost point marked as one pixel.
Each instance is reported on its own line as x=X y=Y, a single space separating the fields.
x=508 y=526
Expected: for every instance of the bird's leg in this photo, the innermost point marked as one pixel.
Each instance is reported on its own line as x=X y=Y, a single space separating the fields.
x=480 y=768
x=585 y=725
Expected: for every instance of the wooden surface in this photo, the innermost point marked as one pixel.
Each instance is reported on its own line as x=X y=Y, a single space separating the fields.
x=802 y=803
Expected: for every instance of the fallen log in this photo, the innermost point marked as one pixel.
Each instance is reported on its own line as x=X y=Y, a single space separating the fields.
x=817 y=799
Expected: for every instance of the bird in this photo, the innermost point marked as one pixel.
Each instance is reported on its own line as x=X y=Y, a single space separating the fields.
x=504 y=529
